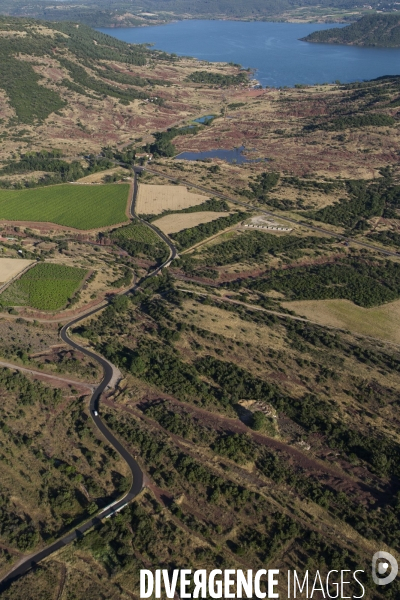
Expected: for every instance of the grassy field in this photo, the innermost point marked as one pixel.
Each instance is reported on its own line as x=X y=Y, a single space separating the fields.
x=98 y=177
x=175 y=223
x=82 y=207
x=137 y=233
x=377 y=322
x=46 y=287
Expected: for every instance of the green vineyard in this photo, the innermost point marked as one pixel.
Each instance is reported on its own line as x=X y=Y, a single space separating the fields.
x=79 y=206
x=137 y=233
x=46 y=287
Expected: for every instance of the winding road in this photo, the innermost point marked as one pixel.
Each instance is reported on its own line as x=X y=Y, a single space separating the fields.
x=109 y=379
x=109 y=371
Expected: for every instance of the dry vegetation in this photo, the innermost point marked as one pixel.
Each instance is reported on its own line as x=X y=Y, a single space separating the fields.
x=99 y=177
x=37 y=346
x=231 y=326
x=176 y=435
x=39 y=338
x=271 y=120
x=10 y=267
x=174 y=223
x=155 y=199
x=87 y=124
x=67 y=451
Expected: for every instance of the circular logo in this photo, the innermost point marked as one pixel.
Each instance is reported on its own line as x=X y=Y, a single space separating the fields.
x=381 y=568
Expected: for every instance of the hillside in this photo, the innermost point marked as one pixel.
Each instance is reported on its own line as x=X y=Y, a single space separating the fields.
x=372 y=30
x=67 y=92
x=68 y=87
x=151 y=12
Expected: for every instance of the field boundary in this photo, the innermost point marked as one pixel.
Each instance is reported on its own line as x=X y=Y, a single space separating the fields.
x=17 y=276
x=154 y=199
x=275 y=215
x=195 y=246
x=129 y=201
x=69 y=313
x=49 y=224
x=197 y=218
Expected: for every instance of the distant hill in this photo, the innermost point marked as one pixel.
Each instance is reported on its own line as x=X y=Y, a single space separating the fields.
x=372 y=30
x=120 y=13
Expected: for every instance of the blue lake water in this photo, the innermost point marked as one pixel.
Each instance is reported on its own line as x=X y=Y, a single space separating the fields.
x=273 y=49
x=232 y=156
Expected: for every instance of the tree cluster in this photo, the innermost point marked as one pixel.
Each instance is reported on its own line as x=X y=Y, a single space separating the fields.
x=193 y=235
x=218 y=79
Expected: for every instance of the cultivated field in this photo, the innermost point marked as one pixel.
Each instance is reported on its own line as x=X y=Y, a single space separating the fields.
x=174 y=223
x=10 y=267
x=81 y=207
x=155 y=199
x=137 y=233
x=377 y=322
x=46 y=286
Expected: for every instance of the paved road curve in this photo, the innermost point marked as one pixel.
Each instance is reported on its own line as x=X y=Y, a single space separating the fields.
x=109 y=371
x=161 y=234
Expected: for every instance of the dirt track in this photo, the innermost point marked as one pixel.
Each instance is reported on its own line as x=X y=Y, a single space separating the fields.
x=327 y=473
x=42 y=375
x=283 y=315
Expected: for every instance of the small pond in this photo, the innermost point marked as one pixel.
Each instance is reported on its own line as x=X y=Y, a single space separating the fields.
x=205 y=120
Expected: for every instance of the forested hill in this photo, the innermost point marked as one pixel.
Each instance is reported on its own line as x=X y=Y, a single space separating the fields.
x=120 y=13
x=372 y=30
x=82 y=56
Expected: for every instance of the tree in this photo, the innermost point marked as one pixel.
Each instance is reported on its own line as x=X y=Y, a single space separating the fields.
x=92 y=508
x=138 y=365
x=258 y=421
x=120 y=303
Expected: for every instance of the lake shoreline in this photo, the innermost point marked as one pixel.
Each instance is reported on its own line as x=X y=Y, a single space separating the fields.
x=273 y=50
x=310 y=21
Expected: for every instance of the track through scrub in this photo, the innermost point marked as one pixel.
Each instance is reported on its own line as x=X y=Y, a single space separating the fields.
x=109 y=370
x=270 y=213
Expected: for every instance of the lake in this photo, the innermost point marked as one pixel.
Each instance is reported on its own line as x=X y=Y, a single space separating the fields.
x=273 y=49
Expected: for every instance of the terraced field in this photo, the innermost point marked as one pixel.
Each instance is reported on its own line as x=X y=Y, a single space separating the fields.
x=78 y=206
x=46 y=286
